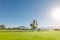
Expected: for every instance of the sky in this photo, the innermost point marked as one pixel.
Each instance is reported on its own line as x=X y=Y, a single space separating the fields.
x=15 y=13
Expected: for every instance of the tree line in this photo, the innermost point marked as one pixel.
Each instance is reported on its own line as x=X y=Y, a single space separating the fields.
x=33 y=26
x=3 y=27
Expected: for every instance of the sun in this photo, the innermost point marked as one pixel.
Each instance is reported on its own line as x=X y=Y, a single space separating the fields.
x=56 y=13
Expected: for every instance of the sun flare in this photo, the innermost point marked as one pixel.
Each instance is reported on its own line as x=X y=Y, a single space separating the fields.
x=56 y=13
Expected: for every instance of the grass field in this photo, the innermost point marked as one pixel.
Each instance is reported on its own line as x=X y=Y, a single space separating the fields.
x=19 y=35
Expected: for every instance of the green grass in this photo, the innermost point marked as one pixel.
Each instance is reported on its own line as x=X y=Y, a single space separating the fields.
x=18 y=35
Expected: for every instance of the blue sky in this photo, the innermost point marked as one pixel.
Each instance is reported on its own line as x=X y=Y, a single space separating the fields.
x=22 y=12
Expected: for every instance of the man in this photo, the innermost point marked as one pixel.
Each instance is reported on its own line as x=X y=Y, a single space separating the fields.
x=34 y=25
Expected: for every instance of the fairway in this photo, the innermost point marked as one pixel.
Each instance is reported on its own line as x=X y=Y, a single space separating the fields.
x=17 y=35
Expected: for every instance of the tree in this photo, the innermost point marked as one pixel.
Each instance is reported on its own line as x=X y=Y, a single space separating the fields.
x=2 y=27
x=34 y=25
